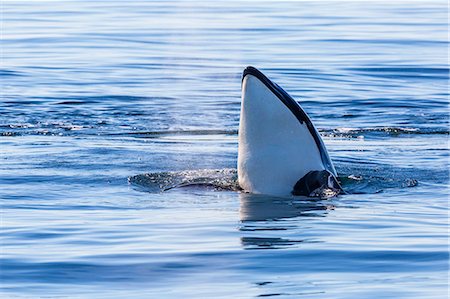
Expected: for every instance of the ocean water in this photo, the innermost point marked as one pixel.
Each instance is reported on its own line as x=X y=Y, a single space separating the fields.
x=109 y=109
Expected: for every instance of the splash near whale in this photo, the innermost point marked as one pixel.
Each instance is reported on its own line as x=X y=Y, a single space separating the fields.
x=280 y=151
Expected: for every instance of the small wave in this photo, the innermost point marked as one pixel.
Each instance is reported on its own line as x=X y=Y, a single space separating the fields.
x=370 y=184
x=55 y=128
x=51 y=128
x=176 y=132
x=62 y=128
x=9 y=134
x=370 y=178
x=95 y=99
x=403 y=72
x=218 y=179
x=354 y=179
x=391 y=131
x=9 y=73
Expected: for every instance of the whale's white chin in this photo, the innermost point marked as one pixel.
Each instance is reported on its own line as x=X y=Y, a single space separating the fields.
x=278 y=145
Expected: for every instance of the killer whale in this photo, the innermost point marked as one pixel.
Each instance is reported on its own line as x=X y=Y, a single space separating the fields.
x=280 y=152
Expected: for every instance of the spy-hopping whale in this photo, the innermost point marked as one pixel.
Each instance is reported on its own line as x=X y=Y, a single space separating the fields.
x=280 y=151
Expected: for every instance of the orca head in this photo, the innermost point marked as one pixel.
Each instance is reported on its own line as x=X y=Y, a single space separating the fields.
x=278 y=144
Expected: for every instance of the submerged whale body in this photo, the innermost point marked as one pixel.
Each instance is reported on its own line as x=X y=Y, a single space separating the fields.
x=280 y=151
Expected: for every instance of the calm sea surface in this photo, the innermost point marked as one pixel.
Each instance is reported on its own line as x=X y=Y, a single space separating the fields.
x=106 y=104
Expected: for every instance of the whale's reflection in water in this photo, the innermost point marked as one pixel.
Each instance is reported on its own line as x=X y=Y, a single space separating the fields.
x=269 y=222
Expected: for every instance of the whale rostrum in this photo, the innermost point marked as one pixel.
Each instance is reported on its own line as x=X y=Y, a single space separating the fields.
x=280 y=151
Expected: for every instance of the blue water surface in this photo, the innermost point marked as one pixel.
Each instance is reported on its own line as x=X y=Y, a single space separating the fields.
x=105 y=104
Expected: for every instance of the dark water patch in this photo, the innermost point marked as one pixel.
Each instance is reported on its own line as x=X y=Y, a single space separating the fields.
x=156 y=134
x=268 y=243
x=23 y=101
x=48 y=68
x=73 y=102
x=10 y=73
x=40 y=235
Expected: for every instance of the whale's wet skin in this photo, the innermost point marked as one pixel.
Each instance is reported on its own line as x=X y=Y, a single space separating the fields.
x=119 y=138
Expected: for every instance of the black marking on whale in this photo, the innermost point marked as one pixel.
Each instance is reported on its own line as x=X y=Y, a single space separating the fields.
x=317 y=184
